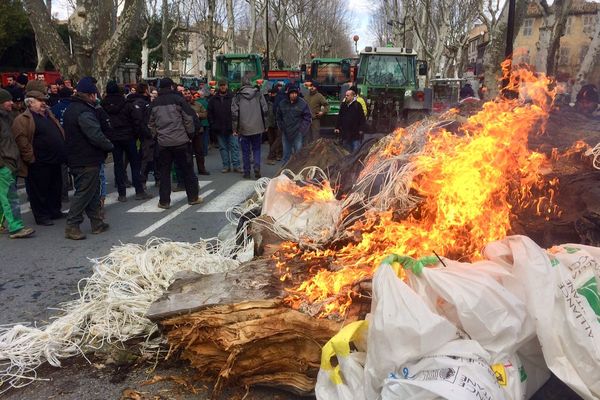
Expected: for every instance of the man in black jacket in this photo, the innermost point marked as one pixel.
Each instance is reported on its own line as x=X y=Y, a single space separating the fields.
x=351 y=122
x=122 y=114
x=86 y=149
x=139 y=104
x=172 y=123
x=220 y=122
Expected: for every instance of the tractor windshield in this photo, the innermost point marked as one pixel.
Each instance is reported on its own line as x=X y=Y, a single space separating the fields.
x=330 y=73
x=236 y=68
x=388 y=70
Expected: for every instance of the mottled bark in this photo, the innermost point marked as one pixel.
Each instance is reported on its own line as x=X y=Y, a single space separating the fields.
x=494 y=52
x=97 y=46
x=230 y=26
x=553 y=26
x=590 y=59
x=47 y=36
x=252 y=27
x=163 y=39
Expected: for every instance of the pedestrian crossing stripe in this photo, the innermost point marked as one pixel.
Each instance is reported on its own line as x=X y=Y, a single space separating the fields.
x=151 y=206
x=169 y=217
x=237 y=193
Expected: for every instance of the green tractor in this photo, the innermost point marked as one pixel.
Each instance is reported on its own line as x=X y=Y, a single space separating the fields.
x=232 y=67
x=330 y=74
x=388 y=80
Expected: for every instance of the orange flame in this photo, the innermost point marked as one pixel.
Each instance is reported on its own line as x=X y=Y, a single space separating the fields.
x=471 y=185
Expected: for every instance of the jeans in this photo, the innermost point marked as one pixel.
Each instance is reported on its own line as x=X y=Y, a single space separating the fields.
x=182 y=156
x=351 y=145
x=103 y=191
x=86 y=197
x=44 y=188
x=9 y=201
x=252 y=144
x=128 y=148
x=291 y=146
x=228 y=146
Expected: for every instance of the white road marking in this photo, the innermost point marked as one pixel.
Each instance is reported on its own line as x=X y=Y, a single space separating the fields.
x=111 y=198
x=231 y=197
x=151 y=206
x=168 y=217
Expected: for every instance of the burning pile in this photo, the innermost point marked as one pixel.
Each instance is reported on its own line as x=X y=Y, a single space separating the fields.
x=468 y=185
x=443 y=187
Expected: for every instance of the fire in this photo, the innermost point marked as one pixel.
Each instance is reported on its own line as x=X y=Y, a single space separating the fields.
x=317 y=193
x=471 y=185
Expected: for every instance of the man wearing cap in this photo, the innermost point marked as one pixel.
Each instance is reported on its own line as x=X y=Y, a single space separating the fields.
x=220 y=122
x=293 y=119
x=87 y=148
x=41 y=142
x=172 y=123
x=318 y=107
x=10 y=160
x=18 y=93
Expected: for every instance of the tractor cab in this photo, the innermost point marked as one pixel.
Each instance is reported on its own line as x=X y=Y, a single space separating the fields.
x=233 y=67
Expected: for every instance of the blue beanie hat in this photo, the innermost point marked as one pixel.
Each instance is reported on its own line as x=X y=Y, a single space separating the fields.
x=87 y=85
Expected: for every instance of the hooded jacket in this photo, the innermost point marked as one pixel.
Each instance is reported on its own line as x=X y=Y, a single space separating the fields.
x=248 y=111
x=9 y=151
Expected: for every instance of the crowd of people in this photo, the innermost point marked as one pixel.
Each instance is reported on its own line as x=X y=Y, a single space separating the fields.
x=57 y=136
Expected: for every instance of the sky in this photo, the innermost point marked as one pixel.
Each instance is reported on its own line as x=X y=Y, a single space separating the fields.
x=361 y=14
x=360 y=11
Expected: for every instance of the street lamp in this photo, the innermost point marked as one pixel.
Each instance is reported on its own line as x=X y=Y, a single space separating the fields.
x=355 y=38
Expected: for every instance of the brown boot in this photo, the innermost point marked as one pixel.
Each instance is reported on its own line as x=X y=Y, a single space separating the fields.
x=99 y=227
x=74 y=233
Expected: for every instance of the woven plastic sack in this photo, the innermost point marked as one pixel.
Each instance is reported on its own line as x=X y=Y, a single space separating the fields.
x=402 y=328
x=345 y=380
x=561 y=288
x=298 y=213
x=459 y=370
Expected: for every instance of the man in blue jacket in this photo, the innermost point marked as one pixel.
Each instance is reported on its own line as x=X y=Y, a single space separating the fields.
x=293 y=119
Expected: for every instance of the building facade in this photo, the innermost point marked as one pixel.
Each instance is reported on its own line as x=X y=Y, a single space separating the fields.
x=581 y=22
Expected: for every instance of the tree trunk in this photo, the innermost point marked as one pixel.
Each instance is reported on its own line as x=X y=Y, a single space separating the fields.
x=145 y=54
x=47 y=36
x=562 y=9
x=163 y=39
x=209 y=44
x=494 y=52
x=91 y=55
x=41 y=56
x=552 y=29
x=588 y=62
x=252 y=28
x=230 y=27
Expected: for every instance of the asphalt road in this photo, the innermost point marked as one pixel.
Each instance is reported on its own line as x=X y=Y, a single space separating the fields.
x=43 y=271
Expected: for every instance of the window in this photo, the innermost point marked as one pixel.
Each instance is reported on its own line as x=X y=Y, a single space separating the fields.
x=589 y=23
x=563 y=58
x=527 y=26
x=583 y=52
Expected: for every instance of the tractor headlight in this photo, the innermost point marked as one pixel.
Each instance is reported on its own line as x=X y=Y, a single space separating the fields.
x=408 y=93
